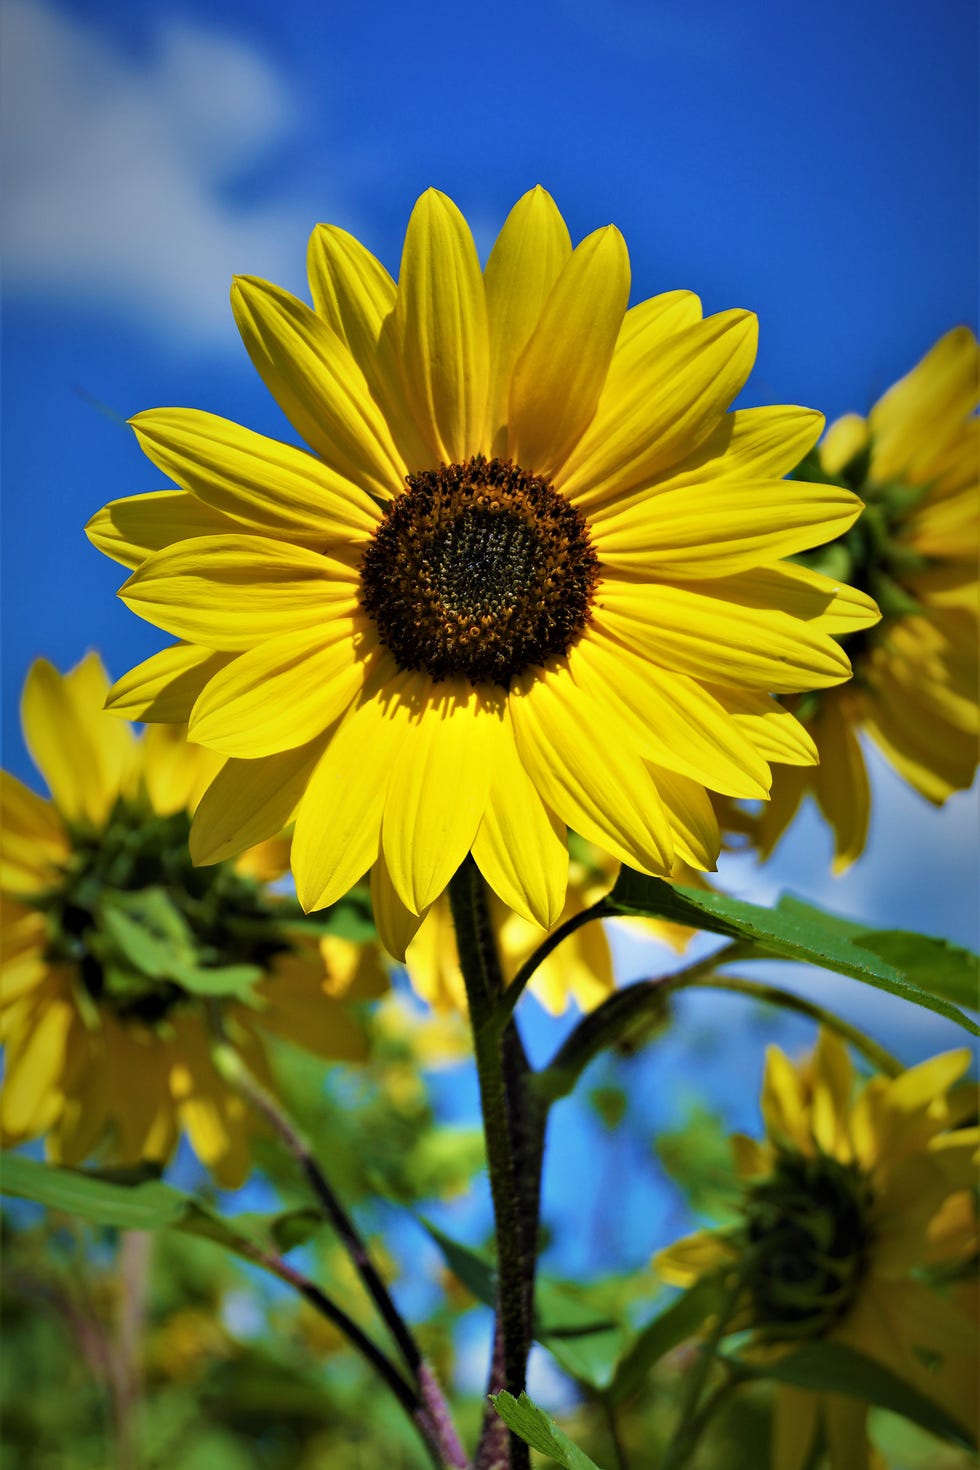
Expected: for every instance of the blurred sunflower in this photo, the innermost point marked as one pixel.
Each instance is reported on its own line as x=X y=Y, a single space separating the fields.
x=579 y=969
x=529 y=578
x=915 y=461
x=845 y=1204
x=113 y=945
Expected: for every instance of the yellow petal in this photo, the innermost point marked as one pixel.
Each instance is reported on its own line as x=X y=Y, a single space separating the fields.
x=713 y=637
x=558 y=378
x=693 y=824
x=268 y=487
x=231 y=592
x=36 y=1069
x=437 y=793
x=683 y=1262
x=164 y=687
x=318 y=385
x=750 y=443
x=520 y=845
x=782 y=1102
x=397 y=925
x=281 y=694
x=922 y=1084
x=338 y=825
x=775 y=733
x=529 y=254
x=175 y=773
x=840 y=781
x=845 y=438
x=832 y=1082
x=250 y=801
x=924 y=406
x=721 y=528
x=441 y=317
x=596 y=784
x=130 y=530
x=674 y=721
x=832 y=606
x=66 y=743
x=663 y=397
x=355 y=296
x=793 y=1428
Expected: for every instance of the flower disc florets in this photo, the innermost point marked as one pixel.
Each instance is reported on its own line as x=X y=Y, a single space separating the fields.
x=479 y=570
x=807 y=1238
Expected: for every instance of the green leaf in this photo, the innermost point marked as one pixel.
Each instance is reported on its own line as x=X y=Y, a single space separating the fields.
x=218 y=979
x=793 y=930
x=151 y=1205
x=540 y=1431
x=473 y=1268
x=828 y=1367
x=681 y=1320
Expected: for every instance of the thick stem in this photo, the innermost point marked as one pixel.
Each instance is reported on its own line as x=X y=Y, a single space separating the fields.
x=428 y=1395
x=514 y=1142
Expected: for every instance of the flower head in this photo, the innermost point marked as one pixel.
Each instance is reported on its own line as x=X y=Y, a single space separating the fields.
x=845 y=1203
x=527 y=579
x=915 y=461
x=113 y=943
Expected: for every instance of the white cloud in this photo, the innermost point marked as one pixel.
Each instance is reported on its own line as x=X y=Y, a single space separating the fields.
x=116 y=168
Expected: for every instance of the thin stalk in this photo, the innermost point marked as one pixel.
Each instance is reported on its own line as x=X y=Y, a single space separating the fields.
x=609 y=1413
x=880 y=1059
x=599 y=910
x=236 y=1073
x=501 y=1071
x=691 y=1423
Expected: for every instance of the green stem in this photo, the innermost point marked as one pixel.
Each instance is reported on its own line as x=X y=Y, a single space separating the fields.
x=691 y=1423
x=600 y=910
x=430 y=1401
x=880 y=1059
x=501 y=1070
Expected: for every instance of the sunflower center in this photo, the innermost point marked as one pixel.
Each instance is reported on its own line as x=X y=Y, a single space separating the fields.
x=808 y=1234
x=146 y=931
x=479 y=570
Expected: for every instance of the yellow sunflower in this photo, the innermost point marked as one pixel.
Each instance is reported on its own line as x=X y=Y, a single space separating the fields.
x=109 y=931
x=915 y=460
x=527 y=578
x=579 y=969
x=845 y=1203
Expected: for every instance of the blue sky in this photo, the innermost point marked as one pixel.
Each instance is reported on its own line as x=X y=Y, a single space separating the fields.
x=816 y=163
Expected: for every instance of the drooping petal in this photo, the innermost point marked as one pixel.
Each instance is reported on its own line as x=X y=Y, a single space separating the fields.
x=840 y=781
x=250 y=801
x=318 y=385
x=661 y=400
x=529 y=254
x=83 y=778
x=268 y=487
x=397 y=925
x=721 y=528
x=441 y=319
x=520 y=845
x=437 y=793
x=589 y=776
x=693 y=824
x=231 y=592
x=559 y=376
x=281 y=694
x=130 y=530
x=769 y=726
x=35 y=1069
x=165 y=686
x=922 y=408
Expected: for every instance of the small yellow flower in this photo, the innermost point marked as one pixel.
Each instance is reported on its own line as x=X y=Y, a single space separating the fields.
x=528 y=579
x=580 y=969
x=915 y=460
x=101 y=1054
x=844 y=1204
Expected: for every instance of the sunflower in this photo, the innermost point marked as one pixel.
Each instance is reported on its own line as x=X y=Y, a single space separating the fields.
x=112 y=940
x=846 y=1204
x=915 y=462
x=527 y=579
x=579 y=969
